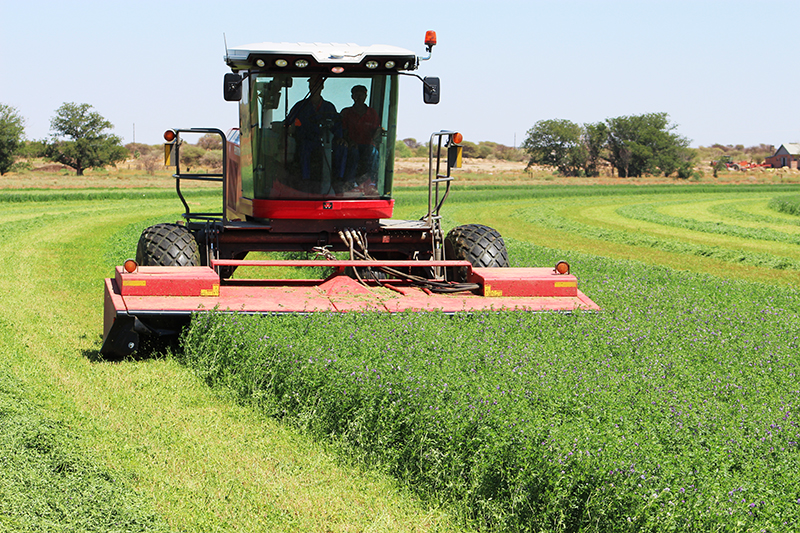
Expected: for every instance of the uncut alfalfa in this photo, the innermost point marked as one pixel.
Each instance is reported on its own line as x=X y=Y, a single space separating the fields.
x=676 y=405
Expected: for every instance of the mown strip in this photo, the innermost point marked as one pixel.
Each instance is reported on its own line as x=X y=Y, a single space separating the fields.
x=732 y=210
x=105 y=194
x=786 y=204
x=199 y=462
x=546 y=216
x=673 y=409
x=464 y=193
x=47 y=482
x=649 y=213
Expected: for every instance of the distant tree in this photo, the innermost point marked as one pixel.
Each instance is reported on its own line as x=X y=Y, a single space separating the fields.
x=150 y=162
x=470 y=149
x=645 y=144
x=401 y=149
x=12 y=132
x=191 y=155
x=759 y=153
x=34 y=149
x=595 y=138
x=79 y=140
x=210 y=141
x=507 y=153
x=140 y=149
x=485 y=149
x=411 y=143
x=556 y=143
x=212 y=159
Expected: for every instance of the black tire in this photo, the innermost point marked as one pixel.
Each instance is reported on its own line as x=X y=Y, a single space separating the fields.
x=481 y=245
x=167 y=245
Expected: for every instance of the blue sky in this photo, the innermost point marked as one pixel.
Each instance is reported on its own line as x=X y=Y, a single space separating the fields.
x=724 y=71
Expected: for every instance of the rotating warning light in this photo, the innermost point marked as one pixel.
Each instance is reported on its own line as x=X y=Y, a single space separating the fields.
x=130 y=266
x=170 y=135
x=337 y=70
x=430 y=38
x=562 y=267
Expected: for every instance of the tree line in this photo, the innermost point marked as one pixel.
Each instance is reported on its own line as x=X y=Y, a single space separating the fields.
x=482 y=150
x=633 y=146
x=80 y=139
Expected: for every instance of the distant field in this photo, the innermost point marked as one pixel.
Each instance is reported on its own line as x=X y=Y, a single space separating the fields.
x=409 y=172
x=695 y=351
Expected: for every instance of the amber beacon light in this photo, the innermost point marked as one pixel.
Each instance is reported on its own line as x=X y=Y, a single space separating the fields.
x=430 y=39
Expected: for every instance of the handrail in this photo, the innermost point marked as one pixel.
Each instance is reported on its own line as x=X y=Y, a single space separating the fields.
x=435 y=161
x=215 y=177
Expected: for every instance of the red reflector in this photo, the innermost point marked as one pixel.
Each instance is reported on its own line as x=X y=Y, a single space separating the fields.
x=457 y=138
x=562 y=267
x=130 y=266
x=169 y=136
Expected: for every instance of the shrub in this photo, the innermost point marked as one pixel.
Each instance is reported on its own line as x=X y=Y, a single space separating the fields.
x=212 y=160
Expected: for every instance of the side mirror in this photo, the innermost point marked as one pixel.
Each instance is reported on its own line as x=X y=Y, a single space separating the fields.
x=232 y=87
x=430 y=90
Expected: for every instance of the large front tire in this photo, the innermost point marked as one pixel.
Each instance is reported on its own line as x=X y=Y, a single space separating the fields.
x=167 y=245
x=481 y=245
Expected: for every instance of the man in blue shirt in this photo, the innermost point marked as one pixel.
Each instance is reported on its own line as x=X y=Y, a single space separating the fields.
x=315 y=123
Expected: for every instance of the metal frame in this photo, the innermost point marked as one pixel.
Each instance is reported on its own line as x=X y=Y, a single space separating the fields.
x=221 y=177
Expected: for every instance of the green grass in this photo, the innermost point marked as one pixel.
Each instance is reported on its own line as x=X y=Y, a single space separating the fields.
x=174 y=451
x=48 y=482
x=789 y=205
x=573 y=218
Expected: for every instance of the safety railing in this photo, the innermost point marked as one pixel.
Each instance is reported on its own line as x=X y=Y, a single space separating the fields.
x=215 y=177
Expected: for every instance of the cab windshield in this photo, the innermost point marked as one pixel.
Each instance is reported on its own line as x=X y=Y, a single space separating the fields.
x=306 y=137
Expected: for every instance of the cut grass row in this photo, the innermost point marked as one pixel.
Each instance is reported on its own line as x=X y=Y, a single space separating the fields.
x=174 y=451
x=653 y=213
x=149 y=422
x=591 y=224
x=48 y=482
x=790 y=204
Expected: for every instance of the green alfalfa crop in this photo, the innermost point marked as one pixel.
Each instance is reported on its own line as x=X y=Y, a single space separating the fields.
x=674 y=407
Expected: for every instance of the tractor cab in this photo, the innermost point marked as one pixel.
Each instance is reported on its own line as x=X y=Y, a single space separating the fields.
x=317 y=132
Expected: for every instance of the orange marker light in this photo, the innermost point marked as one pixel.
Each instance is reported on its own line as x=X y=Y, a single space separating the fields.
x=169 y=136
x=430 y=38
x=457 y=138
x=562 y=267
x=130 y=266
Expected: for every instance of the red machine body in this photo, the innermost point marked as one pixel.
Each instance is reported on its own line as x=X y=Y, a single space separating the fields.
x=303 y=181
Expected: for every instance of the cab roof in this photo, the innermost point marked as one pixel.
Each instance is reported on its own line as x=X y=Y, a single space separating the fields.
x=319 y=57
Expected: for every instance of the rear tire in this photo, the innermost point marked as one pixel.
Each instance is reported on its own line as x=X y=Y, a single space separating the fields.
x=167 y=245
x=481 y=245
